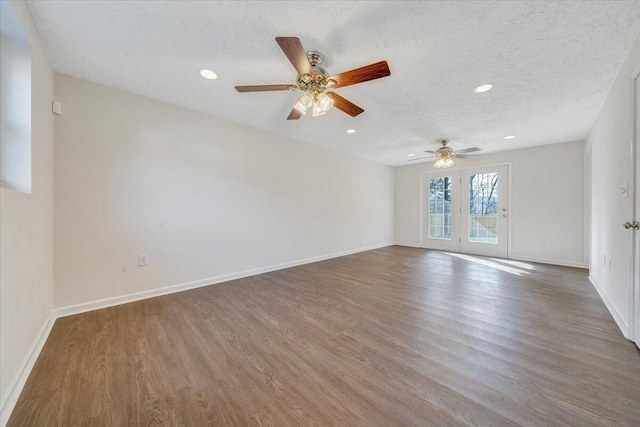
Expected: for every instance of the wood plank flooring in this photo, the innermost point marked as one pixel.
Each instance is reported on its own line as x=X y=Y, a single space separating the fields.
x=391 y=337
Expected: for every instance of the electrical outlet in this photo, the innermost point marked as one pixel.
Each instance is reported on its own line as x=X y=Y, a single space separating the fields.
x=143 y=260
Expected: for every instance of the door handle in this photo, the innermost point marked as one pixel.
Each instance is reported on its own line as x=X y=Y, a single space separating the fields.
x=635 y=225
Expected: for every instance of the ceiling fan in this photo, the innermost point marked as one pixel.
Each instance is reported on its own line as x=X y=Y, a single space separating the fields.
x=315 y=82
x=445 y=155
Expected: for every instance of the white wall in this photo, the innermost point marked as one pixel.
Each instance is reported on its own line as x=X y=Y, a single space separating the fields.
x=547 y=201
x=201 y=196
x=609 y=142
x=26 y=281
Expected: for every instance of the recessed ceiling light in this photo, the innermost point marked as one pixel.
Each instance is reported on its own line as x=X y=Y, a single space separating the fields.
x=208 y=74
x=509 y=137
x=483 y=88
x=351 y=131
x=411 y=155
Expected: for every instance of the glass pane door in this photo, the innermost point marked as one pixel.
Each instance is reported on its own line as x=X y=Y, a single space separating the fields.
x=440 y=208
x=441 y=211
x=484 y=209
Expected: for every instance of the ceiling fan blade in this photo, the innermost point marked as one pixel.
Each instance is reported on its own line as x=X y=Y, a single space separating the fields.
x=292 y=47
x=363 y=74
x=345 y=105
x=432 y=152
x=420 y=158
x=465 y=156
x=294 y=115
x=262 y=88
x=468 y=150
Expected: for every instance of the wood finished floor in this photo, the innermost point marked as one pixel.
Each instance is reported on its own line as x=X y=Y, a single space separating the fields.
x=390 y=337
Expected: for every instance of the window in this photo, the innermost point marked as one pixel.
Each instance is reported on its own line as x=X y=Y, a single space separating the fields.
x=15 y=102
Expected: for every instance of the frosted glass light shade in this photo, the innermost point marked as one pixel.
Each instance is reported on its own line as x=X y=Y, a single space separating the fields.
x=444 y=162
x=303 y=104
x=317 y=111
x=325 y=102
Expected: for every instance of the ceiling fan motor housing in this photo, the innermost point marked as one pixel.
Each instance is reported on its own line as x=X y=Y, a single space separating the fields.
x=318 y=81
x=315 y=58
x=444 y=150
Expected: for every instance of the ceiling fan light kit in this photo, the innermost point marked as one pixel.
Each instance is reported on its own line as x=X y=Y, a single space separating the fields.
x=316 y=82
x=319 y=103
x=444 y=162
x=445 y=155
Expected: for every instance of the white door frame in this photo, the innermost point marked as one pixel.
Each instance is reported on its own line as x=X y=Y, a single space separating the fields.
x=465 y=167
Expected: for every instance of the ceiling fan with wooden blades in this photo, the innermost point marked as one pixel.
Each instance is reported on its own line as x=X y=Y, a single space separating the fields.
x=316 y=83
x=445 y=155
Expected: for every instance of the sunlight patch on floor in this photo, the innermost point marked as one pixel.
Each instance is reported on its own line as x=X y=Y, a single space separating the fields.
x=491 y=264
x=514 y=263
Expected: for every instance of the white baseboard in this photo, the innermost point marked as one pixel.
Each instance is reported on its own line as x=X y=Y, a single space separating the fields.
x=10 y=396
x=614 y=313
x=407 y=244
x=550 y=261
x=123 y=299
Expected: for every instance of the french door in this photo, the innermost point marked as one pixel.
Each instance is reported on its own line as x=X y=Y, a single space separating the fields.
x=466 y=211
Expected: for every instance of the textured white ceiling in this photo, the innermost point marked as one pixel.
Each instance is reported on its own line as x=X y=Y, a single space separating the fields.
x=552 y=64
